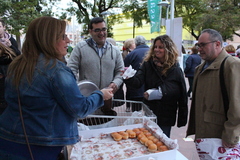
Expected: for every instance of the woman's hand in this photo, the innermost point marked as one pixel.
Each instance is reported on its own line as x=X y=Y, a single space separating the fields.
x=107 y=93
x=145 y=95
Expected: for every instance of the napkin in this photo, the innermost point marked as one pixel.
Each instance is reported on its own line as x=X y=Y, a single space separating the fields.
x=130 y=72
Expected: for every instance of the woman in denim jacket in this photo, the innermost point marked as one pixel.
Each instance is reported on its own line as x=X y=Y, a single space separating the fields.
x=44 y=101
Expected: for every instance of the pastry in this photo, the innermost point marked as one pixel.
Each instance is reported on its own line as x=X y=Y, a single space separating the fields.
x=151 y=137
x=124 y=134
x=129 y=130
x=152 y=147
x=140 y=136
x=147 y=134
x=142 y=129
x=137 y=131
x=148 y=142
x=155 y=140
x=116 y=136
x=113 y=133
x=159 y=143
x=163 y=148
x=131 y=134
x=143 y=140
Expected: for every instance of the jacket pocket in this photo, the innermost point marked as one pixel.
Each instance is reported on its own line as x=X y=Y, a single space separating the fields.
x=214 y=117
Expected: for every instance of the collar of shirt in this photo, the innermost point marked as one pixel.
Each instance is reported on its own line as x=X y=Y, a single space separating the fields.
x=100 y=50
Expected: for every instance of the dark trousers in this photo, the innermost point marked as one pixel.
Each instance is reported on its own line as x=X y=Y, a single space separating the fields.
x=135 y=106
x=190 y=81
x=166 y=130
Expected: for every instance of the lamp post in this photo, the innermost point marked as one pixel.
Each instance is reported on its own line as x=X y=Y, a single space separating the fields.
x=167 y=4
x=105 y=14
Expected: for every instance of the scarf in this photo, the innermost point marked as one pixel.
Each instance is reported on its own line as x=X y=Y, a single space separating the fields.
x=158 y=64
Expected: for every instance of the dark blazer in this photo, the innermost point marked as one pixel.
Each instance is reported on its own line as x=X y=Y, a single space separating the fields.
x=192 y=62
x=135 y=59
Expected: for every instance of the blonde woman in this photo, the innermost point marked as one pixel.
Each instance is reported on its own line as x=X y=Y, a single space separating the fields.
x=129 y=45
x=230 y=50
x=165 y=88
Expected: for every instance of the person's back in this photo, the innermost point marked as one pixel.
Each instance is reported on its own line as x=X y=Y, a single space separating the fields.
x=135 y=59
x=185 y=57
x=192 y=62
x=230 y=50
x=129 y=46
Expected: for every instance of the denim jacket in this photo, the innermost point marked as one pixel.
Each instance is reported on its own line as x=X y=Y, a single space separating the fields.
x=51 y=105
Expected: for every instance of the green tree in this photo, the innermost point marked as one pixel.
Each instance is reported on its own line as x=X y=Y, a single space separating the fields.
x=19 y=13
x=221 y=15
x=86 y=10
x=133 y=9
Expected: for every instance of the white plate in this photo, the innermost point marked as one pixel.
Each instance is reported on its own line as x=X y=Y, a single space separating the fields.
x=87 y=87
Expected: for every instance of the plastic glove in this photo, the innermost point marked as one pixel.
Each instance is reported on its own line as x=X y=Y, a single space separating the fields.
x=153 y=94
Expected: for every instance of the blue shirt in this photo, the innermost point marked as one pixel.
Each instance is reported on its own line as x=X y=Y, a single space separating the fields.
x=100 y=50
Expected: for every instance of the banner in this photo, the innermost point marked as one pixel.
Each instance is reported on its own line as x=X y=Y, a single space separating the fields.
x=154 y=14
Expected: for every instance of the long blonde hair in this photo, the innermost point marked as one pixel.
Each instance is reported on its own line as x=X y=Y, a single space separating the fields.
x=41 y=37
x=171 y=53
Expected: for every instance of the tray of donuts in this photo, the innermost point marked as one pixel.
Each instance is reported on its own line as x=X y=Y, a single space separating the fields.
x=144 y=136
x=133 y=142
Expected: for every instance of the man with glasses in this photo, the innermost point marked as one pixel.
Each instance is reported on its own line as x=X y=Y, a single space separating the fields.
x=96 y=59
x=208 y=118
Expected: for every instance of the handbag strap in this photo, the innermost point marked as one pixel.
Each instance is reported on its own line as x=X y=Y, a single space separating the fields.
x=223 y=88
x=23 y=125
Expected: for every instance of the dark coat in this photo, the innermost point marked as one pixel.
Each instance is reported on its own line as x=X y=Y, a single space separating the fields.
x=14 y=46
x=192 y=62
x=207 y=116
x=174 y=100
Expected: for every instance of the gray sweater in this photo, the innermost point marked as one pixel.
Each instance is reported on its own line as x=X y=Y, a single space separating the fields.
x=87 y=65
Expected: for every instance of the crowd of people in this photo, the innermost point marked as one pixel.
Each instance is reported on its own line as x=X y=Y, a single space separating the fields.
x=42 y=103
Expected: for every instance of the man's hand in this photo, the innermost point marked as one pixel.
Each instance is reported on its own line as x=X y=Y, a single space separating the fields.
x=114 y=87
x=226 y=145
x=8 y=42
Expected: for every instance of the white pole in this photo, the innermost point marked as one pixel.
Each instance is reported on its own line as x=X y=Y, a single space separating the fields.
x=172 y=9
x=171 y=20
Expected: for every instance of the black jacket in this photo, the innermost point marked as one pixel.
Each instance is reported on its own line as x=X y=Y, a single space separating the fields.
x=174 y=100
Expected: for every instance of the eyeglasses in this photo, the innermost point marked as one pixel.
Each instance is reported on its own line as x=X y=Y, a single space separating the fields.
x=201 y=45
x=97 y=30
x=65 y=37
